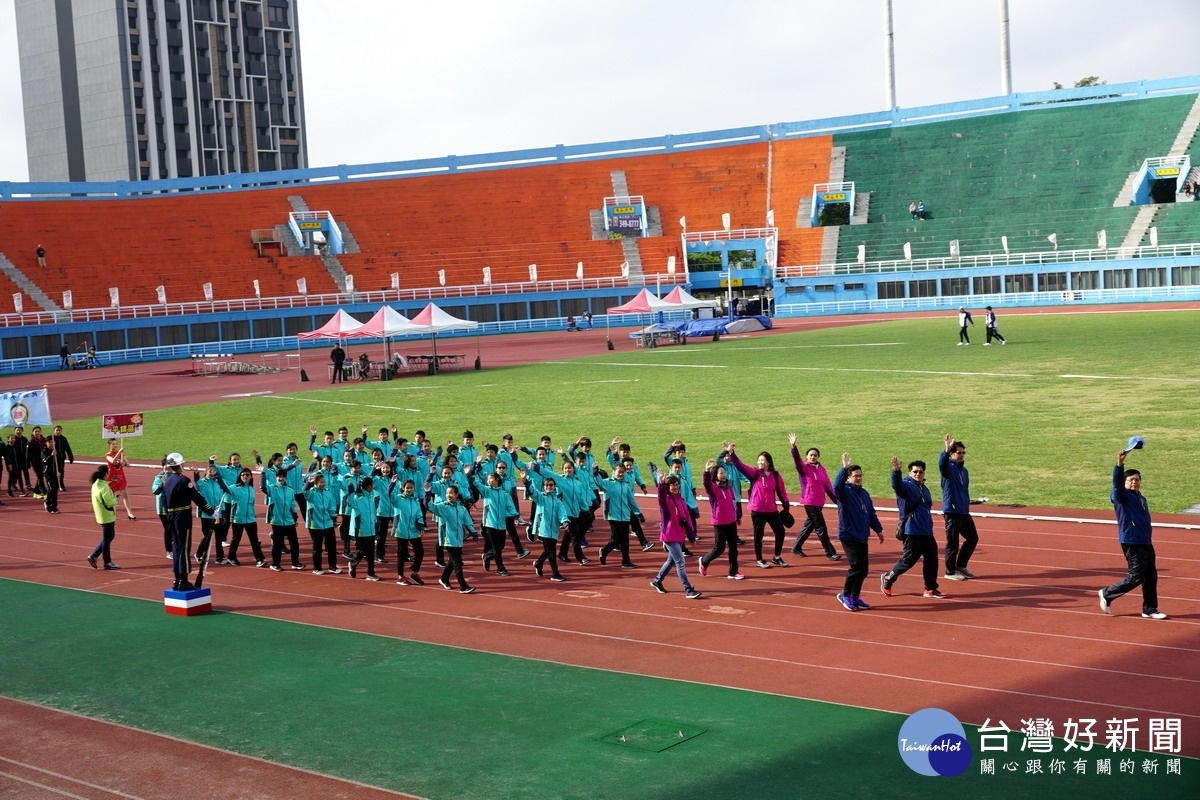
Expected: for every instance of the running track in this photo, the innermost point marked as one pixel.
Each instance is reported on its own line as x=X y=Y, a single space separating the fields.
x=1025 y=639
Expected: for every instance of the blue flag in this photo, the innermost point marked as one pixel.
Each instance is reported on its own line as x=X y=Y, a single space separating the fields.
x=25 y=408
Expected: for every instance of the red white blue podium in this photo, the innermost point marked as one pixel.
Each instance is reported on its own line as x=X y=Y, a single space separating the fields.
x=188 y=604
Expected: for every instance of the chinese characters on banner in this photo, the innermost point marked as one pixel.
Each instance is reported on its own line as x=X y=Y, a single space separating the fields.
x=118 y=426
x=1122 y=746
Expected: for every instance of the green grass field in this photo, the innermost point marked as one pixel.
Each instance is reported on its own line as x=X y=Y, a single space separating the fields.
x=1042 y=417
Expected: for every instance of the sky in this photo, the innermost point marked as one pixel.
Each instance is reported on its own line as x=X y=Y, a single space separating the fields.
x=391 y=80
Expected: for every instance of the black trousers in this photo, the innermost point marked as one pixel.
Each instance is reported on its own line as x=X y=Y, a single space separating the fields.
x=418 y=555
x=323 y=540
x=760 y=520
x=382 y=526
x=251 y=530
x=571 y=538
x=917 y=548
x=1143 y=571
x=618 y=540
x=993 y=333
x=857 y=567
x=108 y=532
x=548 y=547
x=454 y=565
x=281 y=534
x=208 y=527
x=959 y=526
x=493 y=545
x=726 y=537
x=814 y=522
x=364 y=549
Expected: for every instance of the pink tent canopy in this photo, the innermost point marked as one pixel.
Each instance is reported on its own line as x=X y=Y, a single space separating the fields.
x=644 y=303
x=341 y=326
x=386 y=322
x=434 y=320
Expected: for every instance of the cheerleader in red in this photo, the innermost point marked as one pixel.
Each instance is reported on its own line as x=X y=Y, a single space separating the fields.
x=116 y=474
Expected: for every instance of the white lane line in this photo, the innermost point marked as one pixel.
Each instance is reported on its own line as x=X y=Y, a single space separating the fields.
x=62 y=777
x=341 y=403
x=1130 y=378
x=910 y=372
x=246 y=394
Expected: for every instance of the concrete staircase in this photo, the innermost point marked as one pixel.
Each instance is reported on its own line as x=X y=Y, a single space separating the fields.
x=26 y=285
x=336 y=271
x=1141 y=224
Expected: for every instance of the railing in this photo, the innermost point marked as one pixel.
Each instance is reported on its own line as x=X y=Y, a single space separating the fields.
x=1016 y=299
x=290 y=343
x=994 y=260
x=428 y=293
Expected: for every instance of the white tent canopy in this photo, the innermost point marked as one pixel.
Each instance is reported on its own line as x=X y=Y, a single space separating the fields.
x=679 y=298
x=434 y=320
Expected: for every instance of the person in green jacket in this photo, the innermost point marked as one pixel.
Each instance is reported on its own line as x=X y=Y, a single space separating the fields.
x=457 y=520
x=550 y=518
x=361 y=505
x=244 y=518
x=320 y=519
x=104 y=504
x=410 y=522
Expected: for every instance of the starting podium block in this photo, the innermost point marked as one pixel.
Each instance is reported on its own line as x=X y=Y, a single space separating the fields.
x=188 y=604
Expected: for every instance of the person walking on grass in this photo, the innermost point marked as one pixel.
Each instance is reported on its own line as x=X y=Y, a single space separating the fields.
x=722 y=501
x=956 y=510
x=104 y=504
x=1135 y=534
x=676 y=528
x=766 y=484
x=814 y=488
x=456 y=522
x=964 y=321
x=989 y=325
x=856 y=520
x=915 y=529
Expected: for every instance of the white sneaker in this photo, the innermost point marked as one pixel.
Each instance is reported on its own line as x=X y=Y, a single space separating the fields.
x=1156 y=614
x=987 y=344
x=1104 y=604
x=1004 y=341
x=954 y=576
x=960 y=344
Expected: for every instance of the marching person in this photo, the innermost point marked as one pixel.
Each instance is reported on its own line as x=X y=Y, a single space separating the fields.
x=1135 y=534
x=456 y=521
x=62 y=450
x=722 y=501
x=956 y=510
x=814 y=488
x=676 y=528
x=856 y=520
x=915 y=529
x=766 y=484
x=104 y=505
x=178 y=496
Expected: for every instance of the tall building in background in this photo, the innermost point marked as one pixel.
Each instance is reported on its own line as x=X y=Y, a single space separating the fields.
x=148 y=89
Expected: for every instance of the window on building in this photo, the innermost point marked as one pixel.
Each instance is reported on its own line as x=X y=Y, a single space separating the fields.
x=1151 y=276
x=952 y=287
x=1085 y=280
x=1118 y=278
x=1186 y=276
x=1052 y=282
x=1018 y=283
x=891 y=290
x=987 y=284
x=926 y=288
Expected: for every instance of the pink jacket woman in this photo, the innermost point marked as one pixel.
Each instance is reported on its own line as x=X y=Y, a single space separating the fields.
x=676 y=519
x=765 y=486
x=815 y=485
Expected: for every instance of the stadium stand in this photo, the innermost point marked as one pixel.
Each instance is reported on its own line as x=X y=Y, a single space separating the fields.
x=1024 y=176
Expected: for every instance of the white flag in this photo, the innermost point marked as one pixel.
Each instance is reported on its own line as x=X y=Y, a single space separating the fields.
x=1154 y=236
x=68 y=300
x=954 y=251
x=1053 y=239
x=302 y=285
x=395 y=280
x=442 y=277
x=862 y=254
x=683 y=223
x=624 y=269
x=18 y=302
x=533 y=273
x=161 y=291
x=487 y=276
x=114 y=296
x=671 y=265
x=771 y=218
x=579 y=271
x=908 y=251
x=1004 y=244
x=1102 y=240
x=257 y=288
x=725 y=220
x=349 y=284
x=207 y=291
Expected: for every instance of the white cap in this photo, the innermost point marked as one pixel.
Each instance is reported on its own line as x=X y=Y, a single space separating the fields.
x=174 y=460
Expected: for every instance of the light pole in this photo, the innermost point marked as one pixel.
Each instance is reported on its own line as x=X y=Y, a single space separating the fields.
x=729 y=291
